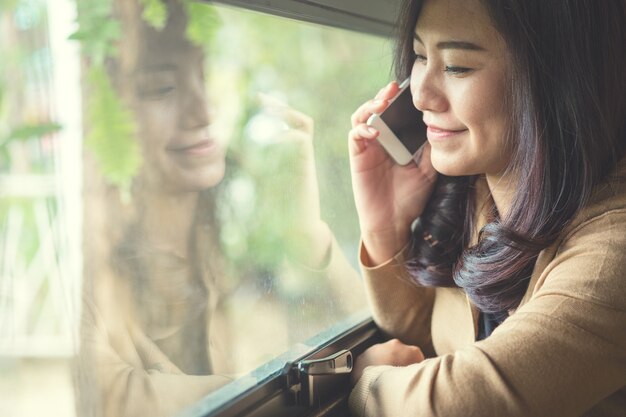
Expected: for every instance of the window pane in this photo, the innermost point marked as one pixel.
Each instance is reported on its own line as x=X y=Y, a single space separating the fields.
x=40 y=206
x=176 y=210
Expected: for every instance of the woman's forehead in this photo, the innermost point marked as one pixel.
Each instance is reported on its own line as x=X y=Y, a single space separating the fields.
x=169 y=43
x=466 y=20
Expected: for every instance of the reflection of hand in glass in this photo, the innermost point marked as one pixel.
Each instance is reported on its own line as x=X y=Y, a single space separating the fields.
x=295 y=200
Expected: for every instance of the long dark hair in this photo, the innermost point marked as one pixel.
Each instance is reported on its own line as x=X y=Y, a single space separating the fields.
x=567 y=131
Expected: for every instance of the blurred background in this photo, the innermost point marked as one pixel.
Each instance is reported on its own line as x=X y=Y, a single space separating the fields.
x=50 y=106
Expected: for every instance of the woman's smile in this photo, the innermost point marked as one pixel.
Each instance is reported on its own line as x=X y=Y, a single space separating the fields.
x=200 y=148
x=459 y=81
x=435 y=133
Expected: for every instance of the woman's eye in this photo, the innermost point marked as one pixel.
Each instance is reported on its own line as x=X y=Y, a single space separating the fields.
x=157 y=92
x=419 y=58
x=456 y=70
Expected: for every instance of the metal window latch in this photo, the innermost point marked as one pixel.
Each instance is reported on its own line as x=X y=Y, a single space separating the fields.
x=320 y=377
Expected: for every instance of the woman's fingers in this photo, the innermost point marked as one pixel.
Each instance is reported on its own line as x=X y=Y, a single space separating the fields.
x=292 y=117
x=367 y=109
x=393 y=352
x=362 y=113
x=297 y=120
x=360 y=136
x=388 y=91
x=366 y=132
x=377 y=105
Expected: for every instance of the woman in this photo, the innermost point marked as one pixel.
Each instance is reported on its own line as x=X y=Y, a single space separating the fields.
x=161 y=326
x=512 y=281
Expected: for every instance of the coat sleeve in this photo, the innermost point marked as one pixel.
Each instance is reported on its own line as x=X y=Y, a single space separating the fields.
x=559 y=354
x=123 y=374
x=337 y=281
x=400 y=308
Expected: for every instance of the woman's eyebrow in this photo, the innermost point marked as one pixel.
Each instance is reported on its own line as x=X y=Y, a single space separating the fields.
x=468 y=46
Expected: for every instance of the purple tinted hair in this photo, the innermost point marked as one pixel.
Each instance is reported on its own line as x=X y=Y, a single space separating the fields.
x=567 y=131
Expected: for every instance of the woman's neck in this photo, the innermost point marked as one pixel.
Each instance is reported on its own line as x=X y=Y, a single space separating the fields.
x=502 y=190
x=167 y=219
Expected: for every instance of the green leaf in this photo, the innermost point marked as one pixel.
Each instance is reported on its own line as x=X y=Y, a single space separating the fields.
x=8 y=5
x=112 y=135
x=28 y=131
x=203 y=22
x=97 y=31
x=154 y=13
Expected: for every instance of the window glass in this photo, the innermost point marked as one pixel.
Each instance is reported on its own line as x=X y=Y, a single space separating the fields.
x=175 y=210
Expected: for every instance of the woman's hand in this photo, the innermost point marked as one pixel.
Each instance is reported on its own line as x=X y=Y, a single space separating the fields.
x=392 y=352
x=388 y=196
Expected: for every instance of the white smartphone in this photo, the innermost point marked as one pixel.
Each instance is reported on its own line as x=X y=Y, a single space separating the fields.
x=401 y=127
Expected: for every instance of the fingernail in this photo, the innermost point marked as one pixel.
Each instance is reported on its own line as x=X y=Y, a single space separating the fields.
x=372 y=131
x=367 y=132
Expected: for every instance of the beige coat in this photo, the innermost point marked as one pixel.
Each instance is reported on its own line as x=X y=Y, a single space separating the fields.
x=561 y=353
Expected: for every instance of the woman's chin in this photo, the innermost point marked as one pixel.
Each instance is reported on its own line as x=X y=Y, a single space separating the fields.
x=445 y=165
x=207 y=178
x=192 y=180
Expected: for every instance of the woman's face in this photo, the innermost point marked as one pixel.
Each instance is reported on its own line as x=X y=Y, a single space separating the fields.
x=180 y=150
x=458 y=82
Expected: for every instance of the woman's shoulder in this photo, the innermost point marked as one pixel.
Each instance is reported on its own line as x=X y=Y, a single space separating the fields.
x=587 y=260
x=600 y=227
x=587 y=264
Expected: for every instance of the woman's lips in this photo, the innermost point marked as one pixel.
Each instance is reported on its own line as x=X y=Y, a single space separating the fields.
x=434 y=132
x=200 y=148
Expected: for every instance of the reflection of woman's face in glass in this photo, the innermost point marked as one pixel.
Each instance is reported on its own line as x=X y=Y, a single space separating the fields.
x=179 y=151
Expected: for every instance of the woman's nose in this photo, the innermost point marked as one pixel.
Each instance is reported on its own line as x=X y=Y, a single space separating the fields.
x=427 y=94
x=195 y=111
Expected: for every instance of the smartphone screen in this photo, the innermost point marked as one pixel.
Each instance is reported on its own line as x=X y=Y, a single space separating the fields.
x=405 y=121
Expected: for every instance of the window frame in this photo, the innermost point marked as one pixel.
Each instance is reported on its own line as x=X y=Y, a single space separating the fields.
x=276 y=396
x=369 y=16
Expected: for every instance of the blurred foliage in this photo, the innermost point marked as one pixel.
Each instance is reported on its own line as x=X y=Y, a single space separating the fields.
x=110 y=124
x=202 y=19
x=24 y=133
x=203 y=22
x=97 y=31
x=154 y=13
x=324 y=72
x=25 y=125
x=27 y=147
x=24 y=208
x=112 y=135
x=8 y=5
x=111 y=131
x=29 y=131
